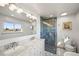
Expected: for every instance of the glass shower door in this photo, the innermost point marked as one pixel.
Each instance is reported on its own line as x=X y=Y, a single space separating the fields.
x=49 y=34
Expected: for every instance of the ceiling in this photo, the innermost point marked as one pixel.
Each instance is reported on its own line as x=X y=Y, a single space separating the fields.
x=43 y=9
x=55 y=9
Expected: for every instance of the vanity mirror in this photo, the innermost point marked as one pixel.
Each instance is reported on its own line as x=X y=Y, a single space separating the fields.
x=17 y=23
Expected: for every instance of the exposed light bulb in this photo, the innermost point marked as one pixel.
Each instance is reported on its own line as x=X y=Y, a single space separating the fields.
x=28 y=15
x=12 y=7
x=32 y=17
x=19 y=10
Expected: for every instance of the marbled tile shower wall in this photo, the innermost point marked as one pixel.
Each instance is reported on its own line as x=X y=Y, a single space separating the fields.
x=49 y=34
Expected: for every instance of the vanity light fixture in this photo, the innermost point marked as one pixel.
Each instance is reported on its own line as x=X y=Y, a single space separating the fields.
x=12 y=7
x=63 y=14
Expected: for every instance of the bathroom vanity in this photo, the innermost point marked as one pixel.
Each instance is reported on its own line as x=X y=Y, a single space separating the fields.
x=22 y=47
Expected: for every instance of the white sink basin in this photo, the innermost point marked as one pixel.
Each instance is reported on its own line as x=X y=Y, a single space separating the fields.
x=14 y=51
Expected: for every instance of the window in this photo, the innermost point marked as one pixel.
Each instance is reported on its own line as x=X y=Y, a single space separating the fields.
x=8 y=27
x=17 y=27
x=11 y=27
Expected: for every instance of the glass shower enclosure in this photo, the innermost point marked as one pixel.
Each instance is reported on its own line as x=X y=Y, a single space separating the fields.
x=49 y=33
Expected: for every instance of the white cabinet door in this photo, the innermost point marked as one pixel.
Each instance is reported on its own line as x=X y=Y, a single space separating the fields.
x=35 y=49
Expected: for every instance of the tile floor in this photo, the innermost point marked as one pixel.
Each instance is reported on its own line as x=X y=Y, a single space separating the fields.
x=49 y=54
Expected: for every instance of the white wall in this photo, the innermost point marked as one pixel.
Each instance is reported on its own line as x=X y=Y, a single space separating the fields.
x=74 y=33
x=38 y=26
x=62 y=33
x=76 y=30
